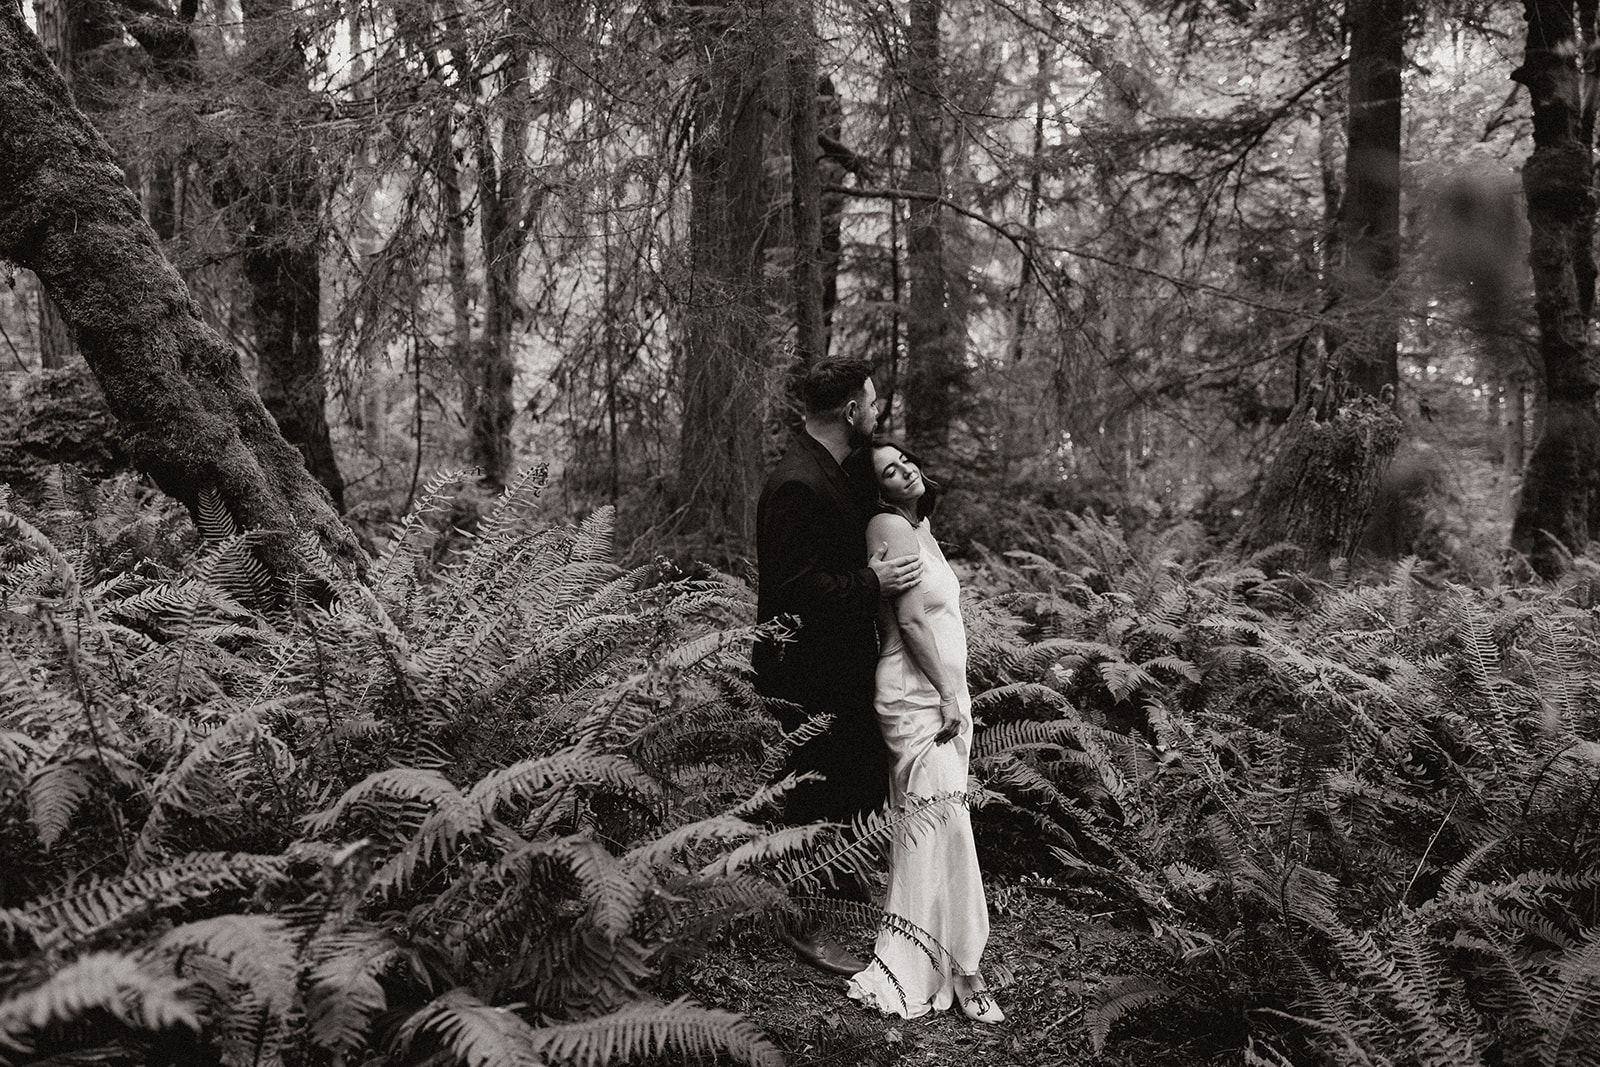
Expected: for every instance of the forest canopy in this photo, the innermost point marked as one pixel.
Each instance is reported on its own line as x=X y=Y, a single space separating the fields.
x=1101 y=258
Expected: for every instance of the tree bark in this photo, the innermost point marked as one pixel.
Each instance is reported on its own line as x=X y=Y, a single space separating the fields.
x=188 y=416
x=935 y=373
x=502 y=184
x=805 y=186
x=1557 y=504
x=831 y=171
x=1370 y=212
x=282 y=260
x=75 y=35
x=727 y=329
x=1319 y=489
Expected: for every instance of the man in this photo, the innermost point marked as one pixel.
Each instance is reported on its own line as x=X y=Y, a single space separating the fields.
x=814 y=565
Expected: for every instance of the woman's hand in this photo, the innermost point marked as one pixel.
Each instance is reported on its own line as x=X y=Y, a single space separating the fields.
x=950 y=713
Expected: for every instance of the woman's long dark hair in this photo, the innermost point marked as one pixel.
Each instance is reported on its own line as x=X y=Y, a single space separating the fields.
x=864 y=480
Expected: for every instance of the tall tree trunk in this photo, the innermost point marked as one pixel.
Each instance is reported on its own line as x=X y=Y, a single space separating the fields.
x=452 y=218
x=805 y=185
x=502 y=184
x=935 y=377
x=168 y=39
x=1318 y=490
x=189 y=417
x=283 y=256
x=1558 y=500
x=1370 y=212
x=719 y=464
x=831 y=171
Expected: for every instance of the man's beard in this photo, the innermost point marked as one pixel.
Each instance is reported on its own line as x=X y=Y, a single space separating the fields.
x=861 y=438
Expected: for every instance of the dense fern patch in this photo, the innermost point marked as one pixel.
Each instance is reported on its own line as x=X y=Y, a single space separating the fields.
x=1360 y=817
x=446 y=816
x=481 y=807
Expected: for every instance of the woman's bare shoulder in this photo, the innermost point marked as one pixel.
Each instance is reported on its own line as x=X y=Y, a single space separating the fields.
x=893 y=530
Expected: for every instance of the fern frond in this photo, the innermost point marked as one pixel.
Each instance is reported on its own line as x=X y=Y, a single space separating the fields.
x=117 y=984
x=343 y=993
x=524 y=781
x=676 y=1030
x=54 y=795
x=385 y=791
x=259 y=952
x=778 y=754
x=1118 y=997
x=181 y=789
x=614 y=889
x=79 y=913
x=475 y=1033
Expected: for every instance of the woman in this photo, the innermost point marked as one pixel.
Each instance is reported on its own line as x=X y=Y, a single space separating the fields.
x=936 y=922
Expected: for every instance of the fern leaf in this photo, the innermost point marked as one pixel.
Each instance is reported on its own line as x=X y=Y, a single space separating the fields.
x=81 y=912
x=679 y=1031
x=1118 y=997
x=54 y=795
x=343 y=993
x=524 y=781
x=1123 y=679
x=475 y=1033
x=180 y=789
x=257 y=949
x=108 y=981
x=614 y=889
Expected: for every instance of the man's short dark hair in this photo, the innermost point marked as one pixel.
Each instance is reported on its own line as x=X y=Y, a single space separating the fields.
x=830 y=383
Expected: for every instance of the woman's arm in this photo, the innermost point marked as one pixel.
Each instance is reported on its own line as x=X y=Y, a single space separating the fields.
x=911 y=609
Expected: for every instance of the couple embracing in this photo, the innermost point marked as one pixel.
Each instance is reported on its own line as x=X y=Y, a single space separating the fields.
x=844 y=544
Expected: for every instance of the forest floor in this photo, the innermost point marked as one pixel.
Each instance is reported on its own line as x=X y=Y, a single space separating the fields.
x=1047 y=949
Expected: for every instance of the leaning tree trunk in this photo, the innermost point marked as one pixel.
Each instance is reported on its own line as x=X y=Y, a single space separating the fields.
x=727 y=332
x=189 y=417
x=1559 y=487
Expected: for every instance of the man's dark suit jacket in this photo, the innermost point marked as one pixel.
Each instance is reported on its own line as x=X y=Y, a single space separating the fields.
x=812 y=554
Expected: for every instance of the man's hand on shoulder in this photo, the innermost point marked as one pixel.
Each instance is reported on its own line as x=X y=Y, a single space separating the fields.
x=896 y=575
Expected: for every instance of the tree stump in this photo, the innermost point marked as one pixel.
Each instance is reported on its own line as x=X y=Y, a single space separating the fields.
x=1319 y=489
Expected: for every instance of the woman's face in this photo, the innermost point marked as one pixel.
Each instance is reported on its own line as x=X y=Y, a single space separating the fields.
x=899 y=480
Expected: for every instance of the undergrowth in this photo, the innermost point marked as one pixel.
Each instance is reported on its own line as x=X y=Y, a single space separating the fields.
x=1360 y=818
x=466 y=811
x=476 y=808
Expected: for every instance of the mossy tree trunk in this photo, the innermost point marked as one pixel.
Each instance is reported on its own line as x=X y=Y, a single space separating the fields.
x=188 y=416
x=1319 y=489
x=1557 y=505
x=77 y=35
x=282 y=260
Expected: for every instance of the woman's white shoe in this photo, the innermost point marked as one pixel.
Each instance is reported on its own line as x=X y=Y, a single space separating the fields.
x=978 y=1004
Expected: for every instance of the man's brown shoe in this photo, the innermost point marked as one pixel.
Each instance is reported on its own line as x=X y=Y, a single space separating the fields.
x=821 y=951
